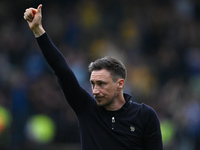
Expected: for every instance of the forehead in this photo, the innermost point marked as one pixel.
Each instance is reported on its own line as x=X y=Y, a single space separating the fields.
x=100 y=75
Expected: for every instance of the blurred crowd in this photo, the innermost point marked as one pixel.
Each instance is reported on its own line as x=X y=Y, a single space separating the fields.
x=157 y=40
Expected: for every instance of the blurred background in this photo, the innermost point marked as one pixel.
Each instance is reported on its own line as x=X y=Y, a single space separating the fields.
x=157 y=40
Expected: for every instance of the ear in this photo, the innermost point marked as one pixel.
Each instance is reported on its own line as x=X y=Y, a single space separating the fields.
x=120 y=83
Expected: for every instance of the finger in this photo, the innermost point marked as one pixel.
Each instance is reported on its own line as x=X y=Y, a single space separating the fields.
x=28 y=13
x=28 y=19
x=39 y=9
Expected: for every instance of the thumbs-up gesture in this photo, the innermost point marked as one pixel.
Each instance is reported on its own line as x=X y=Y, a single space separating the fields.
x=34 y=19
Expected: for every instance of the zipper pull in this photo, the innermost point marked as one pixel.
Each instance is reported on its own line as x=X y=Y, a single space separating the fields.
x=113 y=121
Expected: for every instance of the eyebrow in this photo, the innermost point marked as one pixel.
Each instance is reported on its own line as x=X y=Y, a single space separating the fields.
x=92 y=81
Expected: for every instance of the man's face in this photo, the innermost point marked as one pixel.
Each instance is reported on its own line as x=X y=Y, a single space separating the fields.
x=103 y=88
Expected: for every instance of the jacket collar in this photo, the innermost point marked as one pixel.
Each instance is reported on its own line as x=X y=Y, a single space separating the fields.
x=127 y=98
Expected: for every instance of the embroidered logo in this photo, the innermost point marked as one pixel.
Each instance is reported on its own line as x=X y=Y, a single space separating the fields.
x=132 y=128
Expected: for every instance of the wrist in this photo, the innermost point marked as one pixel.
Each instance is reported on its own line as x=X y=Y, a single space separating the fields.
x=38 y=31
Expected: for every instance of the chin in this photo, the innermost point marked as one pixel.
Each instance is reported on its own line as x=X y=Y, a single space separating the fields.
x=103 y=102
x=100 y=104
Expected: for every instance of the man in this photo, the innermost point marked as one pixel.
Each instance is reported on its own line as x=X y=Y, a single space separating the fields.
x=109 y=120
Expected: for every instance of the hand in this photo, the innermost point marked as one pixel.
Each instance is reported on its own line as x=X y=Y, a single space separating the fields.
x=34 y=19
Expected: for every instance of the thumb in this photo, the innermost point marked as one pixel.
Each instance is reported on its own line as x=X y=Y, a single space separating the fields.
x=39 y=9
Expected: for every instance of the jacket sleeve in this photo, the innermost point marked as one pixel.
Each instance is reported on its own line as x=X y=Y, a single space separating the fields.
x=152 y=132
x=74 y=93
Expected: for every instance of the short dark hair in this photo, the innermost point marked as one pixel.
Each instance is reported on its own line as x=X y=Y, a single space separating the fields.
x=114 y=66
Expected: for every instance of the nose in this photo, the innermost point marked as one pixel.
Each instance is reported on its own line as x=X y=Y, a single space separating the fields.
x=95 y=90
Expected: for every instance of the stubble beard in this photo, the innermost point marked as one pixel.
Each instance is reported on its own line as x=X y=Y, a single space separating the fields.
x=105 y=102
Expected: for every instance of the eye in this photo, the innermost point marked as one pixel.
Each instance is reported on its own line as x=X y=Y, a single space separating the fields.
x=101 y=83
x=98 y=84
x=92 y=83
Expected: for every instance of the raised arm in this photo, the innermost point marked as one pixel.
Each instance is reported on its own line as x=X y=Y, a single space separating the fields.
x=51 y=53
x=74 y=93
